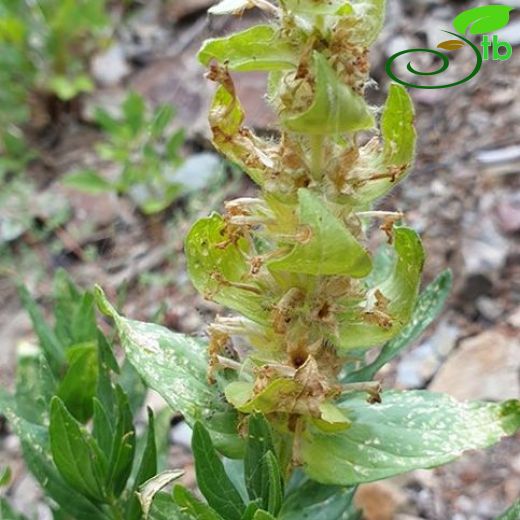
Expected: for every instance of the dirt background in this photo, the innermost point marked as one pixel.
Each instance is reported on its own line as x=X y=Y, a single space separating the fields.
x=463 y=197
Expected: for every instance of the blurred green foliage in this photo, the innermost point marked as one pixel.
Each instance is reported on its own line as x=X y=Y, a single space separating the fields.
x=44 y=50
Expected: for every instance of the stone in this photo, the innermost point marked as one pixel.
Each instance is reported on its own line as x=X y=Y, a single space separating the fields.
x=379 y=500
x=181 y=435
x=419 y=365
x=110 y=67
x=484 y=249
x=485 y=367
x=514 y=318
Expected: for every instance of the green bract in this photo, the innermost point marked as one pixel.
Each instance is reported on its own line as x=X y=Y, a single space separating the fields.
x=258 y=48
x=297 y=265
x=335 y=108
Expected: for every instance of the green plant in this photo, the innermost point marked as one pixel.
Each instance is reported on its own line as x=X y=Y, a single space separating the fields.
x=295 y=265
x=146 y=154
x=73 y=410
x=44 y=51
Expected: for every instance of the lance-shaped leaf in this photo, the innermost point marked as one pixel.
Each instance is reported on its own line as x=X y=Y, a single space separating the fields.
x=335 y=109
x=164 y=508
x=237 y=143
x=331 y=249
x=147 y=469
x=175 y=366
x=394 y=298
x=483 y=19
x=35 y=385
x=78 y=386
x=35 y=445
x=313 y=500
x=257 y=48
x=192 y=507
x=212 y=478
x=76 y=454
x=429 y=306
x=49 y=342
x=218 y=268
x=259 y=443
x=409 y=430
x=393 y=162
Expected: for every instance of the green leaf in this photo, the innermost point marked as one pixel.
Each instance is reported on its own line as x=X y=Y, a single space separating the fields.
x=164 y=508
x=162 y=118
x=102 y=427
x=37 y=458
x=76 y=454
x=214 y=268
x=398 y=152
x=123 y=447
x=105 y=388
x=175 y=366
x=263 y=515
x=359 y=330
x=336 y=108
x=428 y=307
x=235 y=471
x=513 y=513
x=251 y=510
x=191 y=506
x=151 y=488
x=331 y=248
x=5 y=476
x=65 y=298
x=35 y=385
x=257 y=48
x=483 y=19
x=68 y=88
x=147 y=468
x=83 y=320
x=212 y=478
x=134 y=110
x=78 y=386
x=259 y=443
x=52 y=349
x=409 y=430
x=275 y=483
x=87 y=181
x=313 y=501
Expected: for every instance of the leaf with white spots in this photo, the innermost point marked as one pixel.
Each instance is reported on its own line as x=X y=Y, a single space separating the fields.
x=407 y=431
x=175 y=366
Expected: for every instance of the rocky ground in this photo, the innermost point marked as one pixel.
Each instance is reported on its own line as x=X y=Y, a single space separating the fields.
x=463 y=196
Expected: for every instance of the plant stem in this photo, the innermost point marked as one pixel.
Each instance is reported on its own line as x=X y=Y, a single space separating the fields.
x=317 y=142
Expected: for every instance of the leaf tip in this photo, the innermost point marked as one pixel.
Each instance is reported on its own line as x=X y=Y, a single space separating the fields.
x=104 y=306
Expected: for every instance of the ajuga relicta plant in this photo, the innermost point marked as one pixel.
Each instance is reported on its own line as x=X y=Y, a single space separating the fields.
x=307 y=296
